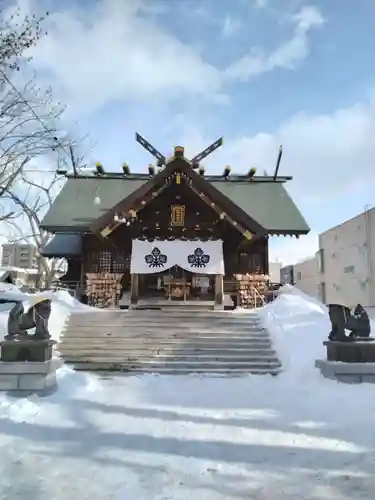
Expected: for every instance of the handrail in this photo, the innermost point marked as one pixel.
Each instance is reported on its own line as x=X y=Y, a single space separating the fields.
x=257 y=296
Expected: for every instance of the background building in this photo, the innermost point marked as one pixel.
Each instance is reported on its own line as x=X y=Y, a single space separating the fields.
x=287 y=275
x=343 y=270
x=346 y=261
x=306 y=277
x=21 y=255
x=274 y=269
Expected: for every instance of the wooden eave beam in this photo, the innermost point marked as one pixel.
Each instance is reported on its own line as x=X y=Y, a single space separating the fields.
x=136 y=207
x=248 y=235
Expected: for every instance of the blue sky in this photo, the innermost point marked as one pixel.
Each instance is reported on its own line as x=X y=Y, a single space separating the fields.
x=258 y=72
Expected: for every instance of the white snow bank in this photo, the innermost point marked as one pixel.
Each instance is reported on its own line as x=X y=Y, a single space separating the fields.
x=158 y=437
x=298 y=324
x=164 y=437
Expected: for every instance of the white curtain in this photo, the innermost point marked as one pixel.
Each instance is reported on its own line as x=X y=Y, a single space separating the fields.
x=203 y=257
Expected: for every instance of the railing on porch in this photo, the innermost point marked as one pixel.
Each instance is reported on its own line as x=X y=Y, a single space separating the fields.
x=258 y=299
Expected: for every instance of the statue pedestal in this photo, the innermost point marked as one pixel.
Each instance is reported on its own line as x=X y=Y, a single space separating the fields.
x=351 y=362
x=27 y=365
x=349 y=373
x=355 y=351
x=26 y=350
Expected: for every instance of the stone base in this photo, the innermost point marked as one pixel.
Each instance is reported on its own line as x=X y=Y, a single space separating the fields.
x=349 y=373
x=357 y=351
x=30 y=377
x=36 y=351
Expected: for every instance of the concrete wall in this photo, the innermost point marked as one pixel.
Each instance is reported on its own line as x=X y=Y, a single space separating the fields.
x=274 y=271
x=347 y=252
x=306 y=277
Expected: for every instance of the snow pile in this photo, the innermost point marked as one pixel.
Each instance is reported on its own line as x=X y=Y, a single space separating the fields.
x=299 y=324
x=292 y=437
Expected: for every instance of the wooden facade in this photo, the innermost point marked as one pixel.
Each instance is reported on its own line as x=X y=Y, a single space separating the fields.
x=178 y=203
x=109 y=258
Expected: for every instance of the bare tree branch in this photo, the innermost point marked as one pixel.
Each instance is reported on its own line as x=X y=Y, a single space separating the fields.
x=30 y=125
x=30 y=197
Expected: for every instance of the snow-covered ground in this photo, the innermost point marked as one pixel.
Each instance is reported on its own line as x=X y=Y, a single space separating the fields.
x=295 y=436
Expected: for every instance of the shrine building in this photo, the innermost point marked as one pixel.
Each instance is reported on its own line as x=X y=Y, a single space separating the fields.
x=173 y=233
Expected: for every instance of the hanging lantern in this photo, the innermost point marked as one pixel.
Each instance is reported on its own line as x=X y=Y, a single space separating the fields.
x=97 y=200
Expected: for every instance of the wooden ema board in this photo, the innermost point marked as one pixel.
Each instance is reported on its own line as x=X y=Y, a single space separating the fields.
x=103 y=289
x=251 y=290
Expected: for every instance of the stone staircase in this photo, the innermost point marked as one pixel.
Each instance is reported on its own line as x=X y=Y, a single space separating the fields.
x=174 y=341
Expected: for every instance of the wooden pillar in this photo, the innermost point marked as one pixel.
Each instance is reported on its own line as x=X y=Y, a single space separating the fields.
x=219 y=289
x=134 y=288
x=266 y=256
x=82 y=274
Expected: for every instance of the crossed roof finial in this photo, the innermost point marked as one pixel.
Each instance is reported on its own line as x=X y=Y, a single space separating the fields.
x=178 y=151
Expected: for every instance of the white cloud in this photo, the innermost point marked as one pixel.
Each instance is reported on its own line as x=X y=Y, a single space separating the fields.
x=113 y=51
x=116 y=50
x=326 y=154
x=287 y=55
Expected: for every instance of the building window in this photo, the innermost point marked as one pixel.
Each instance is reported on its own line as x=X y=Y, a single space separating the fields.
x=299 y=276
x=320 y=256
x=348 y=269
x=322 y=292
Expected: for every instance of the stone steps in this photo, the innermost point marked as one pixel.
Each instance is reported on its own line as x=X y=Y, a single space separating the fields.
x=173 y=356
x=161 y=317
x=168 y=342
x=162 y=370
x=160 y=335
x=168 y=347
x=152 y=365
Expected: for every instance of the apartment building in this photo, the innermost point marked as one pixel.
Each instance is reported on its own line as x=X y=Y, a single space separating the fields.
x=343 y=270
x=20 y=255
x=346 y=261
x=274 y=269
x=306 y=277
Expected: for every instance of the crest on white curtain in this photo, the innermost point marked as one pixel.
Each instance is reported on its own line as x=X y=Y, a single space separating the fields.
x=156 y=258
x=195 y=256
x=198 y=258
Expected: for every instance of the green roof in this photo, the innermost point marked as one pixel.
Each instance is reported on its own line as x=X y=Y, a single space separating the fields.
x=268 y=203
x=74 y=206
x=63 y=245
